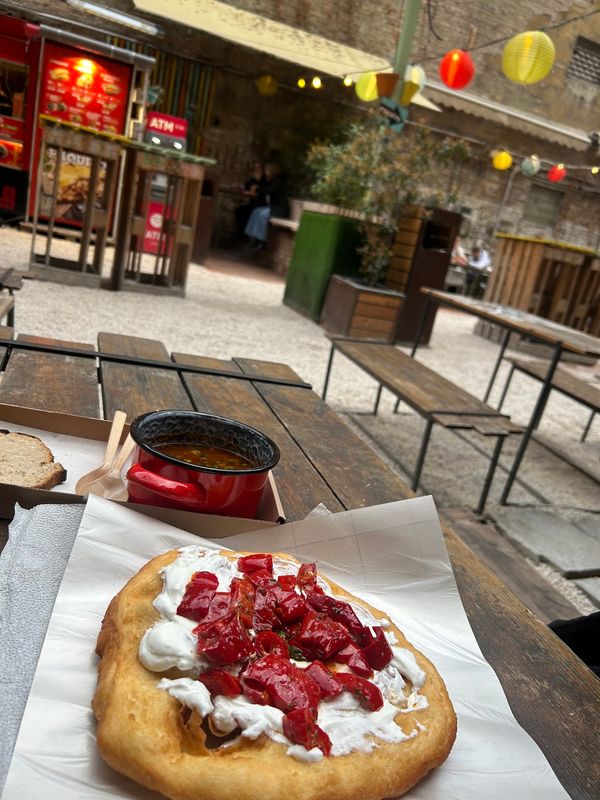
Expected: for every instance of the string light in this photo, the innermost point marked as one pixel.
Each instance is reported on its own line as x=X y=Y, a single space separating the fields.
x=301 y=83
x=347 y=81
x=595 y=170
x=316 y=82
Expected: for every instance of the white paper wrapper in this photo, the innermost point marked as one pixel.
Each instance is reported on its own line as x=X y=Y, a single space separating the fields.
x=391 y=555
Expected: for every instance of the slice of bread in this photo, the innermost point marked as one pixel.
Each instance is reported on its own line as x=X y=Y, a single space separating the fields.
x=26 y=461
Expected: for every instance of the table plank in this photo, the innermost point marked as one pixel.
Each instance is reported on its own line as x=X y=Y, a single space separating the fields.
x=298 y=482
x=354 y=473
x=51 y=381
x=552 y=694
x=522 y=322
x=137 y=390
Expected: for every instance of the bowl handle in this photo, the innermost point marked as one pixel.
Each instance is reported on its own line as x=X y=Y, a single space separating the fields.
x=188 y=492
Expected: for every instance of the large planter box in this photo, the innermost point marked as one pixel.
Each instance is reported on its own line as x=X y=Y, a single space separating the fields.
x=361 y=312
x=325 y=244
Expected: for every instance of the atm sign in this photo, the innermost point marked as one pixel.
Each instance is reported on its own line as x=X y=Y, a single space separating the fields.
x=166 y=124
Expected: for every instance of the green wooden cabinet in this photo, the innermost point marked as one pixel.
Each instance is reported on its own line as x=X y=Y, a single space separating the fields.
x=325 y=244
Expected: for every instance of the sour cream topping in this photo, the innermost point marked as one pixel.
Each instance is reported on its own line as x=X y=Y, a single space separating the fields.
x=170 y=644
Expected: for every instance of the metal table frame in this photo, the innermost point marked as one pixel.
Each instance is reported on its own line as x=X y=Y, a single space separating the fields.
x=558 y=346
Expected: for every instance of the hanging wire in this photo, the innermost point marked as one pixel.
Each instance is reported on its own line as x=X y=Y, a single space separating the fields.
x=430 y=22
x=506 y=38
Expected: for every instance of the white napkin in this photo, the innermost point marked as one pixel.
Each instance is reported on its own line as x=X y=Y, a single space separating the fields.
x=32 y=566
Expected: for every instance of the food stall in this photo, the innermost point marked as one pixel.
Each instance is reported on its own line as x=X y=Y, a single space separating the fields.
x=76 y=79
x=19 y=58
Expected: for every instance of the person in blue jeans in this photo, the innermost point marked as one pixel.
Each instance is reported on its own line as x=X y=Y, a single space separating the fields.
x=277 y=205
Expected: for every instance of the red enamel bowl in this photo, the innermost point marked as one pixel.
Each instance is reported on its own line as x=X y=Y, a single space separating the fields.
x=160 y=480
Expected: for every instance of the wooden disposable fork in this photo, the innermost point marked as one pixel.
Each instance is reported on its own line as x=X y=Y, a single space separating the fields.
x=118 y=423
x=111 y=484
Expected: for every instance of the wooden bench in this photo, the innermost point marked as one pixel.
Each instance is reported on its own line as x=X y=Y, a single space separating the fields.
x=432 y=396
x=562 y=381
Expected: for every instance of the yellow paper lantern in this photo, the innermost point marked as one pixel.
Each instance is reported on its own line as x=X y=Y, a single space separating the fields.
x=528 y=57
x=266 y=85
x=502 y=160
x=414 y=81
x=366 y=87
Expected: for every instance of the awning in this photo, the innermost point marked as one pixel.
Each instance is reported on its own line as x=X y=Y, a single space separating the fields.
x=508 y=116
x=259 y=33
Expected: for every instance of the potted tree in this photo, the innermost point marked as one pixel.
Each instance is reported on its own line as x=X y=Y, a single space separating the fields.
x=384 y=177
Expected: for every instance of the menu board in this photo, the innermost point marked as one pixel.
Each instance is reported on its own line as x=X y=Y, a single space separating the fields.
x=84 y=89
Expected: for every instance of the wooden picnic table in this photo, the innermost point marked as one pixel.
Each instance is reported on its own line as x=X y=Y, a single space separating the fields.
x=553 y=695
x=560 y=338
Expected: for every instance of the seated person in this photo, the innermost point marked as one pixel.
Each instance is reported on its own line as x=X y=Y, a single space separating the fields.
x=277 y=205
x=479 y=266
x=458 y=257
x=253 y=191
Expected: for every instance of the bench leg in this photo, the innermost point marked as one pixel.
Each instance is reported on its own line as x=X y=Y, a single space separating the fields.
x=378 y=398
x=505 y=339
x=397 y=405
x=10 y=318
x=329 y=363
x=505 y=390
x=421 y=326
x=422 y=452
x=490 y=475
x=587 y=427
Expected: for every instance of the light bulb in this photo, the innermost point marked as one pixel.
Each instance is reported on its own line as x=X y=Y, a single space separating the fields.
x=316 y=82
x=595 y=170
x=301 y=83
x=347 y=81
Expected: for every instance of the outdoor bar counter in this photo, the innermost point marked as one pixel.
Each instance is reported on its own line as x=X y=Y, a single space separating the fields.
x=554 y=280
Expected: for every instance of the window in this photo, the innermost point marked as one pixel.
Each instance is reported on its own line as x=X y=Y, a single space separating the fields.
x=542 y=205
x=585 y=61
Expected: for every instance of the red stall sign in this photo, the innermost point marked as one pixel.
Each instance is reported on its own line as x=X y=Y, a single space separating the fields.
x=84 y=89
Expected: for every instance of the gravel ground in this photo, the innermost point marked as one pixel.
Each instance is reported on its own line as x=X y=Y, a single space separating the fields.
x=226 y=313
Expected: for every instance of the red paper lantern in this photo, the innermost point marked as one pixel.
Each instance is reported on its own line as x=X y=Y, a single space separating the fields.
x=557 y=173
x=457 y=69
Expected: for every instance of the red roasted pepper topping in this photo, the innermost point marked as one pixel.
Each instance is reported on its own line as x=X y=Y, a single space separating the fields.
x=369 y=695
x=289 y=606
x=268 y=642
x=217 y=681
x=300 y=727
x=322 y=636
x=353 y=656
x=325 y=680
x=287 y=582
x=291 y=618
x=307 y=577
x=264 y=617
x=198 y=595
x=242 y=600
x=261 y=578
x=337 y=609
x=375 y=647
x=286 y=686
x=224 y=641
x=219 y=607
x=256 y=562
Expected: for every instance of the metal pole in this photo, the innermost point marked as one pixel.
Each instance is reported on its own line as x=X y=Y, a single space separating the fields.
x=410 y=20
x=505 y=339
x=533 y=422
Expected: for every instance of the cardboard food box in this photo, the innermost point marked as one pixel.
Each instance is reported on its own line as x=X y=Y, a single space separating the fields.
x=78 y=443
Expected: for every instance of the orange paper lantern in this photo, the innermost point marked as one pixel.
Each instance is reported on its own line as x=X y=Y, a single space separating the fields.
x=457 y=69
x=557 y=173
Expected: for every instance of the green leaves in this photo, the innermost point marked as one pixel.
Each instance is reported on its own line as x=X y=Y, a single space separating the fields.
x=376 y=173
